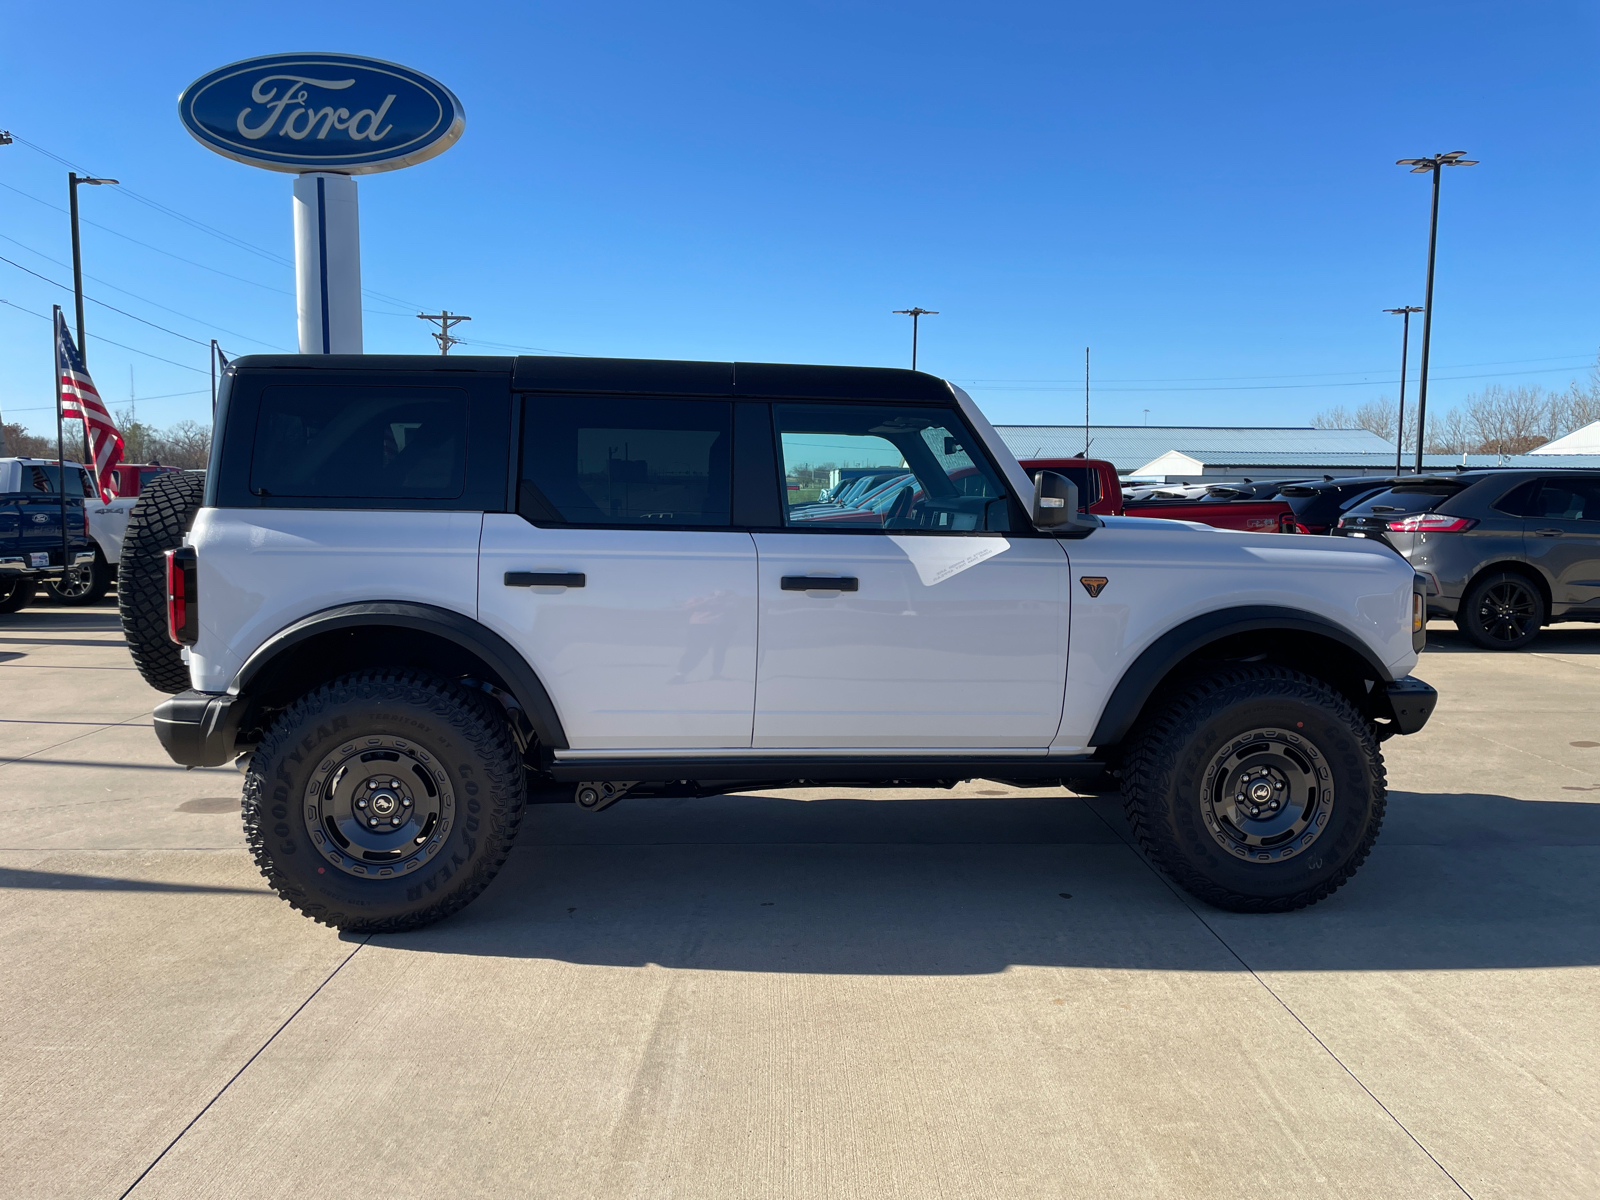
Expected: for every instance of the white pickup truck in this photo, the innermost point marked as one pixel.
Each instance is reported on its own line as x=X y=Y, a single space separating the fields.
x=410 y=590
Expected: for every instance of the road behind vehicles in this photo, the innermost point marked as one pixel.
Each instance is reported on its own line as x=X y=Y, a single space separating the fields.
x=1224 y=509
x=1504 y=551
x=31 y=545
x=415 y=589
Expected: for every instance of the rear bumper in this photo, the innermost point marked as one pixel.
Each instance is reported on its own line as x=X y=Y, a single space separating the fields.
x=14 y=565
x=1405 y=703
x=198 y=729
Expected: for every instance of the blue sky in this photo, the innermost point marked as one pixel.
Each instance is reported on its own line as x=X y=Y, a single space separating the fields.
x=1205 y=195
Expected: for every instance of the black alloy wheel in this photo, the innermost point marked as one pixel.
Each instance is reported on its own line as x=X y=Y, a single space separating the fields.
x=1257 y=789
x=1502 y=612
x=384 y=800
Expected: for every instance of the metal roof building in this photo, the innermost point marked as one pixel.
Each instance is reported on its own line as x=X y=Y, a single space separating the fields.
x=1189 y=453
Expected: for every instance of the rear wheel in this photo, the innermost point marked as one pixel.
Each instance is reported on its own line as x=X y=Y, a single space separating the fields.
x=17 y=594
x=384 y=801
x=83 y=585
x=1258 y=789
x=159 y=520
x=1503 y=611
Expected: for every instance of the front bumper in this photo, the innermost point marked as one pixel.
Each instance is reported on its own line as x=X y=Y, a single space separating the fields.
x=1406 y=704
x=198 y=729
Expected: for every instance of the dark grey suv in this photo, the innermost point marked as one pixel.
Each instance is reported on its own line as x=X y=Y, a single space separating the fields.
x=1504 y=550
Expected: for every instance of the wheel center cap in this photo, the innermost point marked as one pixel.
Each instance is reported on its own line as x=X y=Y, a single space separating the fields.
x=1261 y=791
x=384 y=803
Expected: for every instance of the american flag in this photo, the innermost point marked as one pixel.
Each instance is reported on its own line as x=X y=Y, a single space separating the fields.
x=80 y=401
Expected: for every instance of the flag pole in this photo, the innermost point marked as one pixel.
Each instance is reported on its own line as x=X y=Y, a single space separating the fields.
x=61 y=460
x=213 y=379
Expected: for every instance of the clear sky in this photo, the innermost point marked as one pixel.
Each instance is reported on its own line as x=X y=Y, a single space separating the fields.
x=1205 y=194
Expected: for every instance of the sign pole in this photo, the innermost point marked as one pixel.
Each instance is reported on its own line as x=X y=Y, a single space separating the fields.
x=327 y=263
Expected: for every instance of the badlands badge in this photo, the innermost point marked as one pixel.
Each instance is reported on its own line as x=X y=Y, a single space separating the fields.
x=1093 y=584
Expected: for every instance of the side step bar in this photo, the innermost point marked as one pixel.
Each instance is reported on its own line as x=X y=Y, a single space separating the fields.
x=867 y=770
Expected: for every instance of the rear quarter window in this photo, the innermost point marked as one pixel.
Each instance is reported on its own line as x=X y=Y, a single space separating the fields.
x=360 y=442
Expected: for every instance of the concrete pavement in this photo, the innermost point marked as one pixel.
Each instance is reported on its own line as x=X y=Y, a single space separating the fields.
x=812 y=994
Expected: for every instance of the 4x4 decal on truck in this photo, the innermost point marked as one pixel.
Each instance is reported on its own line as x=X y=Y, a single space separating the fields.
x=1093 y=584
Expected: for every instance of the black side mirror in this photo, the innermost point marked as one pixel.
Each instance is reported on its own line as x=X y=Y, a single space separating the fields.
x=1055 y=505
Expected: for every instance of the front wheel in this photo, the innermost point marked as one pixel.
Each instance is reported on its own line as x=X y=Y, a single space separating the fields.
x=1258 y=789
x=1502 y=611
x=384 y=801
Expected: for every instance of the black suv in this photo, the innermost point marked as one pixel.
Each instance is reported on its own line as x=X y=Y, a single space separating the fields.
x=1504 y=550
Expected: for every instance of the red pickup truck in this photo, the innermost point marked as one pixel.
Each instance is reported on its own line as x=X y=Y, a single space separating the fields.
x=1100 y=491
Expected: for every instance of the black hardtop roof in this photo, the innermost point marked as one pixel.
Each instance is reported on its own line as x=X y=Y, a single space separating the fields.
x=548 y=373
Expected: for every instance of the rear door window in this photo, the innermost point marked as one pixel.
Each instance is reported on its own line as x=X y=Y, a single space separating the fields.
x=360 y=442
x=626 y=461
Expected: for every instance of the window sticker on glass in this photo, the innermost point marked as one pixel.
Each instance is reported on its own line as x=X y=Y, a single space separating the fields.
x=863 y=466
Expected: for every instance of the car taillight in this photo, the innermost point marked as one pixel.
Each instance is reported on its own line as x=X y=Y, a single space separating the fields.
x=183 y=608
x=1430 y=523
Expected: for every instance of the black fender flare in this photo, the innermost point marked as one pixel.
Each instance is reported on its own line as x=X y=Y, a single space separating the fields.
x=472 y=636
x=1139 y=681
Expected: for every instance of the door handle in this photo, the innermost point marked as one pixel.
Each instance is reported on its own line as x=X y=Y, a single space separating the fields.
x=568 y=579
x=820 y=583
x=1548 y=532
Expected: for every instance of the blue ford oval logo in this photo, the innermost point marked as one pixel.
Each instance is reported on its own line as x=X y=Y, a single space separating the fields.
x=322 y=112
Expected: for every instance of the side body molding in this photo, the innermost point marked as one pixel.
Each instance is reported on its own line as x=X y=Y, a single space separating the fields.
x=463 y=631
x=1139 y=681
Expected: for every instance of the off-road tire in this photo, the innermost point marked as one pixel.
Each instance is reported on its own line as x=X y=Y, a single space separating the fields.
x=1165 y=802
x=470 y=742
x=157 y=524
x=99 y=581
x=17 y=595
x=1478 y=620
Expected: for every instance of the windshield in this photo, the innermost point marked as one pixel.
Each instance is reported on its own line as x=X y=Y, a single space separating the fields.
x=1405 y=499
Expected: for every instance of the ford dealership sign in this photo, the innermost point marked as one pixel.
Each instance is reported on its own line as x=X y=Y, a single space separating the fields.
x=322 y=112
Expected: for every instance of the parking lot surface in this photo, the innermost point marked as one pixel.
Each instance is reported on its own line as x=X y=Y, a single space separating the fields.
x=983 y=992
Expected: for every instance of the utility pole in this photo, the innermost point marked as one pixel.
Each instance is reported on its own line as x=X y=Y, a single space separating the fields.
x=1456 y=158
x=447 y=321
x=1086 y=402
x=914 y=314
x=1400 y=423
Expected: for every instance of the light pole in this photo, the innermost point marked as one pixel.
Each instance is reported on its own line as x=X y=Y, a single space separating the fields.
x=1436 y=164
x=914 y=314
x=1400 y=423
x=73 y=180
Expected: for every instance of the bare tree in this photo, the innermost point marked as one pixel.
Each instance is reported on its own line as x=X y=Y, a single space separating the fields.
x=1450 y=434
x=186 y=444
x=1378 y=416
x=1508 y=420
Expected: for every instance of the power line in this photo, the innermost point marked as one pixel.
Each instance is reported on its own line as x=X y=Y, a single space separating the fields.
x=109 y=342
x=103 y=304
x=1280 y=387
x=1307 y=375
x=141 y=299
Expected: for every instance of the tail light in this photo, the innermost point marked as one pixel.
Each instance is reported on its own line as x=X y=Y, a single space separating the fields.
x=1431 y=523
x=1287 y=524
x=183 y=608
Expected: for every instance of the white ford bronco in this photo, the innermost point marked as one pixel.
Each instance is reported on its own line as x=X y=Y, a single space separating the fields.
x=413 y=592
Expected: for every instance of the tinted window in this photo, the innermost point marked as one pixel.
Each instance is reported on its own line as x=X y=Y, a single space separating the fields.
x=1404 y=499
x=360 y=443
x=1518 y=502
x=48 y=479
x=885 y=467
x=615 y=461
x=1563 y=500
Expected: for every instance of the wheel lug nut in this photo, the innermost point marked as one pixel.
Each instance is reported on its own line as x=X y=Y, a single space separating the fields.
x=374 y=822
x=361 y=803
x=406 y=801
x=394 y=783
x=394 y=820
x=372 y=783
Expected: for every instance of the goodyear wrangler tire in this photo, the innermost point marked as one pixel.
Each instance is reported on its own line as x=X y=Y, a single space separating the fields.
x=1257 y=789
x=159 y=520
x=384 y=801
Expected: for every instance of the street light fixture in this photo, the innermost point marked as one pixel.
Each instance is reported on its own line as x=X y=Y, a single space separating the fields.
x=1419 y=166
x=73 y=180
x=915 y=313
x=1405 y=338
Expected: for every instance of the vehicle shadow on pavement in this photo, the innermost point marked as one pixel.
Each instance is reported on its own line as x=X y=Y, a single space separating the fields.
x=1569 y=638
x=62 y=620
x=46 y=881
x=962 y=886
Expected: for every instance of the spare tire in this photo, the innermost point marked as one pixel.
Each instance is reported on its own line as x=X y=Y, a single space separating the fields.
x=166 y=507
